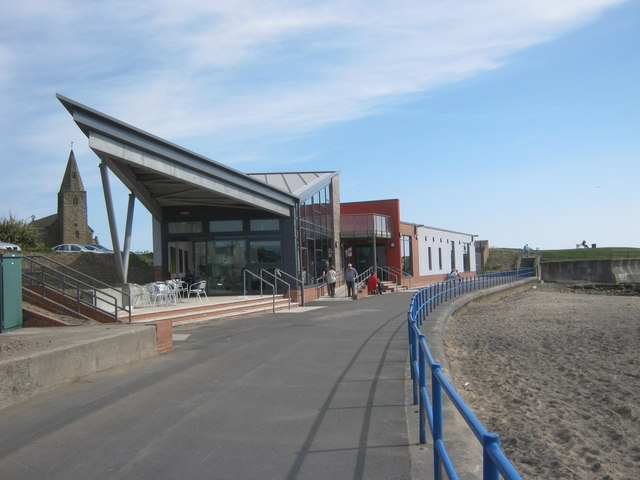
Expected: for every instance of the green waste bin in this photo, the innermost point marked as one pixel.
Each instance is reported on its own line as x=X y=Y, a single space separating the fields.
x=10 y=292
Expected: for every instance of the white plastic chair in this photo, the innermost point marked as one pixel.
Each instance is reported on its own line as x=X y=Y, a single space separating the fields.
x=198 y=289
x=157 y=292
x=171 y=293
x=182 y=288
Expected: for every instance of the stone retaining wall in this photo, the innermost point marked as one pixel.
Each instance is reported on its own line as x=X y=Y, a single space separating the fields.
x=592 y=271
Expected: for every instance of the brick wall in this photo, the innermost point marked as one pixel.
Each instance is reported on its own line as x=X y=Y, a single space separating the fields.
x=164 y=334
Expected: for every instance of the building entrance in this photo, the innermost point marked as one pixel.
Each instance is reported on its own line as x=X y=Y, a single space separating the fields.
x=364 y=257
x=219 y=262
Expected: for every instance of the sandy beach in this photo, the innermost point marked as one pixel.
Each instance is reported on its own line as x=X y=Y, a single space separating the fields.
x=557 y=374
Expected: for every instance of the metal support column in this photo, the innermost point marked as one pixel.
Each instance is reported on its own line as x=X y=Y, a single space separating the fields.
x=113 y=228
x=127 y=236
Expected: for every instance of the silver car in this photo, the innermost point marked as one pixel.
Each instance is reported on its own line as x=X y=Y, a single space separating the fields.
x=98 y=248
x=70 y=247
x=9 y=246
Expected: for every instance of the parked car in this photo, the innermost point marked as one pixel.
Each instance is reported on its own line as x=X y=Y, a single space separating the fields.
x=9 y=246
x=70 y=247
x=99 y=248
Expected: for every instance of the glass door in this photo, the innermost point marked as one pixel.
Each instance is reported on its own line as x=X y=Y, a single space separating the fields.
x=364 y=257
x=226 y=260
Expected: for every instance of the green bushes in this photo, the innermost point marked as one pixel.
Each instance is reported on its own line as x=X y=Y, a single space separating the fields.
x=13 y=230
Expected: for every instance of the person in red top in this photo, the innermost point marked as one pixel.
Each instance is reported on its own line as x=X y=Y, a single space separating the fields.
x=372 y=284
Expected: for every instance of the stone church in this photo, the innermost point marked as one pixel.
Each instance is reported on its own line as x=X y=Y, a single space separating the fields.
x=69 y=225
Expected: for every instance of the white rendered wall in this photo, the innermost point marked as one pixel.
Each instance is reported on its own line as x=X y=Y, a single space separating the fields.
x=434 y=238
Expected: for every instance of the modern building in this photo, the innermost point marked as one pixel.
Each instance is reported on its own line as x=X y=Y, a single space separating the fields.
x=419 y=254
x=69 y=224
x=212 y=222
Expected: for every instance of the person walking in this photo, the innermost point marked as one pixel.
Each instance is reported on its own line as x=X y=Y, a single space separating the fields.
x=331 y=277
x=350 y=277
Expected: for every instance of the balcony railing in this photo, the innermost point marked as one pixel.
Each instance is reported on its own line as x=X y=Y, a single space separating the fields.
x=365 y=225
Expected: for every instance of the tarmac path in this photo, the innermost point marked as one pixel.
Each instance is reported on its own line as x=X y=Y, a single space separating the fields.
x=313 y=394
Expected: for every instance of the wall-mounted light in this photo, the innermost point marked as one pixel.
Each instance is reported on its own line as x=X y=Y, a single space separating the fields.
x=392 y=244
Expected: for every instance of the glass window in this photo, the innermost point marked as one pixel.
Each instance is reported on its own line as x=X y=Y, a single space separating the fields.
x=265 y=225
x=223 y=226
x=407 y=256
x=265 y=251
x=185 y=227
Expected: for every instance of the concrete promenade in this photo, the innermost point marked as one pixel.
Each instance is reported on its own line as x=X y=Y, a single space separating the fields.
x=318 y=392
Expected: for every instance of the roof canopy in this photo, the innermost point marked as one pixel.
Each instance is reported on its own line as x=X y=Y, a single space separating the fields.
x=161 y=173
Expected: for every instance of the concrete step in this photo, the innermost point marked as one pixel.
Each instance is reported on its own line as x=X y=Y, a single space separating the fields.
x=390 y=286
x=184 y=314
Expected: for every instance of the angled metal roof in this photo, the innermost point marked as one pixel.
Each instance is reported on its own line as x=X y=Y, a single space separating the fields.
x=161 y=173
x=300 y=184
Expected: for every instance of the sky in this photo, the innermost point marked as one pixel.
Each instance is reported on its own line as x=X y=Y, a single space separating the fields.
x=513 y=120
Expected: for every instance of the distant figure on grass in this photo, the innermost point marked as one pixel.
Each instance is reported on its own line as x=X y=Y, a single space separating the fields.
x=350 y=277
x=583 y=244
x=373 y=285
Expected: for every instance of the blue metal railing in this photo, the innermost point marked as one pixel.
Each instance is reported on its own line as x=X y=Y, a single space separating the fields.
x=423 y=302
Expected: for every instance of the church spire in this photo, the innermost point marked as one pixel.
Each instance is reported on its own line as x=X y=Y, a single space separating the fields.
x=71 y=182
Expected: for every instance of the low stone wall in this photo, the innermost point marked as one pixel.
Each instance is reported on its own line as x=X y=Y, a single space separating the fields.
x=592 y=271
x=75 y=352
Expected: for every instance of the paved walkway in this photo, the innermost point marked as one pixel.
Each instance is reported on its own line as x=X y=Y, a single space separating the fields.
x=315 y=393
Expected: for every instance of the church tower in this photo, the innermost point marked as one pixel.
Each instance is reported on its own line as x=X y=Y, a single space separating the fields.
x=72 y=207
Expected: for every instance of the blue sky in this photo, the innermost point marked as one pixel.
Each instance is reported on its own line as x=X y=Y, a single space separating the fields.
x=516 y=121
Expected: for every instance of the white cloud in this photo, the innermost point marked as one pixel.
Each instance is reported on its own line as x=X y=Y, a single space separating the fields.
x=247 y=68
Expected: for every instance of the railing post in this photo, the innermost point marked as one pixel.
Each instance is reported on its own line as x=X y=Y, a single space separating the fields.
x=431 y=290
x=436 y=398
x=412 y=357
x=489 y=469
x=244 y=282
x=422 y=385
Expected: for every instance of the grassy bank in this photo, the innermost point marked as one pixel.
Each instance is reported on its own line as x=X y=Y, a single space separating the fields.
x=589 y=254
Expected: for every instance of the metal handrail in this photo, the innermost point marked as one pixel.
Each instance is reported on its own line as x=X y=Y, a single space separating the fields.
x=51 y=278
x=298 y=281
x=279 y=272
x=262 y=280
x=422 y=303
x=276 y=280
x=389 y=272
x=361 y=278
x=60 y=267
x=400 y=272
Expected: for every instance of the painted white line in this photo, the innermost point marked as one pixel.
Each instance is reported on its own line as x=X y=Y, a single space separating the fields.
x=178 y=337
